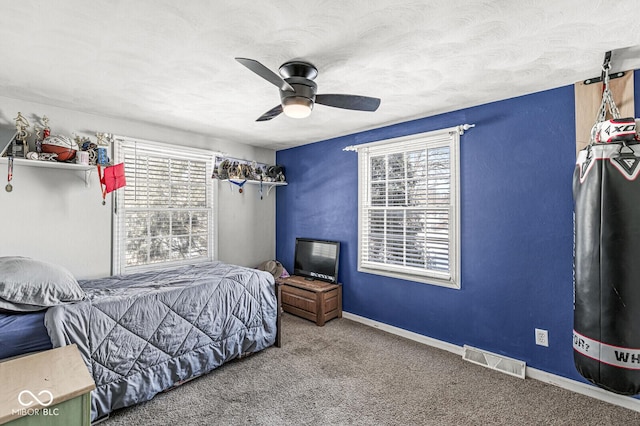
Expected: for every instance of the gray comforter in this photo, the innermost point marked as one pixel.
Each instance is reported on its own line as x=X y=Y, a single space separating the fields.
x=140 y=334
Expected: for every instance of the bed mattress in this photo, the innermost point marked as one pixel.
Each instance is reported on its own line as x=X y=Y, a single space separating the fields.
x=23 y=333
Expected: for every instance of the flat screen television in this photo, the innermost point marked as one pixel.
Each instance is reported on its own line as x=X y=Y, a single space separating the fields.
x=317 y=259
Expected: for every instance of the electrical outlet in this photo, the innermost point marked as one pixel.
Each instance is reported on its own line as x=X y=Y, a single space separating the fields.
x=542 y=337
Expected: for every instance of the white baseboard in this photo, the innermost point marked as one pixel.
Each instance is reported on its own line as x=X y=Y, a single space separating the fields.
x=584 y=389
x=543 y=376
x=440 y=344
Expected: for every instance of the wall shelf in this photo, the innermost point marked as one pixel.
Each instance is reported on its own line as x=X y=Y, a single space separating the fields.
x=85 y=169
x=269 y=185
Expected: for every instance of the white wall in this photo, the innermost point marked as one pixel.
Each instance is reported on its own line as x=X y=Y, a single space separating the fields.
x=50 y=215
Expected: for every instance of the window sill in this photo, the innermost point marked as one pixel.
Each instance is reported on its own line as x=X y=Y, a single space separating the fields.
x=411 y=277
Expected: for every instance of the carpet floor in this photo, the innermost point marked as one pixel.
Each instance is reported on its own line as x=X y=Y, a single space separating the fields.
x=346 y=373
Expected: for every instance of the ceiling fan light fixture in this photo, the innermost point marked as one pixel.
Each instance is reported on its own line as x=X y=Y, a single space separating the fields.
x=297 y=106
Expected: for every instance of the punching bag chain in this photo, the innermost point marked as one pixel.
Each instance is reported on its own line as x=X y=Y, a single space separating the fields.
x=607 y=97
x=607 y=100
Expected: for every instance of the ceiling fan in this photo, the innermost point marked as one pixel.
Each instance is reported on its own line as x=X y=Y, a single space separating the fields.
x=298 y=91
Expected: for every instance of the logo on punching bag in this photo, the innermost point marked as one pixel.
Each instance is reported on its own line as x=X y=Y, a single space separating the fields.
x=629 y=163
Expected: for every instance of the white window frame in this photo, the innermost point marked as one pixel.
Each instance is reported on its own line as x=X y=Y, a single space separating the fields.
x=446 y=137
x=120 y=145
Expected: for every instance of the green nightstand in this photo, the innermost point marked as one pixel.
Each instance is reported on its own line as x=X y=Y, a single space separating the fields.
x=47 y=388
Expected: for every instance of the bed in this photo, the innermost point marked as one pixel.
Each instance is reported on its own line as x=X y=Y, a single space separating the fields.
x=143 y=333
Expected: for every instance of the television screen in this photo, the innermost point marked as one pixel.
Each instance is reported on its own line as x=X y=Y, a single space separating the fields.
x=317 y=259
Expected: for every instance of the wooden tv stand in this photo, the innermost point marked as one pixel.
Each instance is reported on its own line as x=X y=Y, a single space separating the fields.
x=314 y=300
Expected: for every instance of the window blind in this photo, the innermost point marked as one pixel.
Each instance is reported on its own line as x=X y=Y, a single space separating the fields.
x=164 y=215
x=408 y=207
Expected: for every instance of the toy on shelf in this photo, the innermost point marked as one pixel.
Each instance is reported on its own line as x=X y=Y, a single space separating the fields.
x=46 y=132
x=20 y=146
x=239 y=172
x=61 y=145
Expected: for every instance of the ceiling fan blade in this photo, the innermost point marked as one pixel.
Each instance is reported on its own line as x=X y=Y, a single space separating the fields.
x=359 y=103
x=273 y=112
x=265 y=73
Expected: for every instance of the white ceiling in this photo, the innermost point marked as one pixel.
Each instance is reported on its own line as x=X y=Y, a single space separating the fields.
x=171 y=62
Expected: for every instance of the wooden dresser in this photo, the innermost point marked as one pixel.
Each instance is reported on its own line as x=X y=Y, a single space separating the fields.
x=47 y=388
x=314 y=300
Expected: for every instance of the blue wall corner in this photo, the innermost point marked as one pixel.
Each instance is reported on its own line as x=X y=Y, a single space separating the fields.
x=517 y=229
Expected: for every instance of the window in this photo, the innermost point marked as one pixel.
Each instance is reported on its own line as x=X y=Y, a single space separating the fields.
x=409 y=208
x=164 y=215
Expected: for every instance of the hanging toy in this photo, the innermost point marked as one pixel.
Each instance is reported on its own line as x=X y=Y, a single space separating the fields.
x=240 y=184
x=261 y=187
x=9 y=187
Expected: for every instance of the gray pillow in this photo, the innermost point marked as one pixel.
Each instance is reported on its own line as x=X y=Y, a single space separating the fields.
x=31 y=285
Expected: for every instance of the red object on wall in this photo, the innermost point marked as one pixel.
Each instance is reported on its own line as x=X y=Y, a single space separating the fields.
x=112 y=179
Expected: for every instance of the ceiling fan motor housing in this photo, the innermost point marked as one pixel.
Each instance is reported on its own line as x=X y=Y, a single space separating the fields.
x=303 y=87
x=299 y=75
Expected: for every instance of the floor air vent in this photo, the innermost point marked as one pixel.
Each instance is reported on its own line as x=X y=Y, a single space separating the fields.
x=510 y=366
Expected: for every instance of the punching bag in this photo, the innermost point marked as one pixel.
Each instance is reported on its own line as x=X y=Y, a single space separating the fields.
x=606 y=334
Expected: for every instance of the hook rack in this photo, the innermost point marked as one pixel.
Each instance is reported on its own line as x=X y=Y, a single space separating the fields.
x=269 y=185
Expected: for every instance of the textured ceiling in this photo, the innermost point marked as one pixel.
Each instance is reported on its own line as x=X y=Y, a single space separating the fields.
x=171 y=63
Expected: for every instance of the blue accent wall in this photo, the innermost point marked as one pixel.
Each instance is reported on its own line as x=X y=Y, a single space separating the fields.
x=517 y=229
